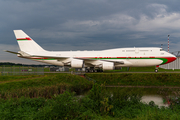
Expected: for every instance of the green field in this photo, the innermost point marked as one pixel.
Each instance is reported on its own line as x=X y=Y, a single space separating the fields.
x=150 y=69
x=21 y=70
x=141 y=69
x=137 y=79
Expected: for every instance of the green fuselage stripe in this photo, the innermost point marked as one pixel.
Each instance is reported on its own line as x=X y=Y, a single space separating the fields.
x=163 y=59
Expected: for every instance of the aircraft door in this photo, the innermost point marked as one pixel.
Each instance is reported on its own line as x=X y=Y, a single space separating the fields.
x=136 y=50
x=127 y=56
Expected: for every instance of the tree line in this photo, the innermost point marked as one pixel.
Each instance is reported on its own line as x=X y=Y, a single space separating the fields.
x=19 y=64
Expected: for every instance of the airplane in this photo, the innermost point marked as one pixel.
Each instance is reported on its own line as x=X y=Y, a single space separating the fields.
x=93 y=61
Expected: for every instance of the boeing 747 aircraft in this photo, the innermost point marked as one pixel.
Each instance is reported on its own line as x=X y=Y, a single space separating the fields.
x=92 y=60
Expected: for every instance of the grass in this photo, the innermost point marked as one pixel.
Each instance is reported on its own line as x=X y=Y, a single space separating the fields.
x=18 y=77
x=150 y=69
x=22 y=70
x=142 y=69
x=137 y=79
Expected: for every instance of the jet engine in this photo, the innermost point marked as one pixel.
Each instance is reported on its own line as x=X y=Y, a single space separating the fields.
x=76 y=63
x=108 y=66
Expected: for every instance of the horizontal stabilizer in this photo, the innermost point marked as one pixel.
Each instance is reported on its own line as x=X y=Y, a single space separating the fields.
x=11 y=52
x=19 y=53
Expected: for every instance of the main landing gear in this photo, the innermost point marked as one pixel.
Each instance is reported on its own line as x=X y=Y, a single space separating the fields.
x=156 y=69
x=93 y=70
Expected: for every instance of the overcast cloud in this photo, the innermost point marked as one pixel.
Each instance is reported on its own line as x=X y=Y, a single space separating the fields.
x=89 y=24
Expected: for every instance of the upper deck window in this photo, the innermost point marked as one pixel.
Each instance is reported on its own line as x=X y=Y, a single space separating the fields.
x=130 y=50
x=144 y=50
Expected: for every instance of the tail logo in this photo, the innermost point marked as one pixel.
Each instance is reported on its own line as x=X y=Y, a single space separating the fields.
x=23 y=39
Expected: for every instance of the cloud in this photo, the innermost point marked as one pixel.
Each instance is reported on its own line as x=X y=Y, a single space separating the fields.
x=90 y=24
x=116 y=28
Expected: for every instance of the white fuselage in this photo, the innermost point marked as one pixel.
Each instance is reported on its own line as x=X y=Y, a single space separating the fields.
x=131 y=57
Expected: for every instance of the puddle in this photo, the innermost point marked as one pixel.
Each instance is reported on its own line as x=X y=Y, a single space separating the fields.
x=158 y=100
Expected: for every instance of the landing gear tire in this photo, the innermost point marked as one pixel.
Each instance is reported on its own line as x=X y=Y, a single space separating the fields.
x=101 y=70
x=87 y=70
x=156 y=70
x=92 y=71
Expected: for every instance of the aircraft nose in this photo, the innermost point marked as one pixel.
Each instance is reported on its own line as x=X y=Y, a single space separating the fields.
x=171 y=59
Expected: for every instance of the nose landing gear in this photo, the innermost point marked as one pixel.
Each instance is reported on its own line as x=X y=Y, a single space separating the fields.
x=156 y=69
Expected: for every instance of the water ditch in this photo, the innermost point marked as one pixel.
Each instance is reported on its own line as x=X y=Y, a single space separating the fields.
x=160 y=96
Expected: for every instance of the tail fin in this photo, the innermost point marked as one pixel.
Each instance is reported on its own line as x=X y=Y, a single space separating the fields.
x=26 y=43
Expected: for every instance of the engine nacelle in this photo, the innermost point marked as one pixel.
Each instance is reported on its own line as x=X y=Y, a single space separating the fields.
x=76 y=63
x=108 y=66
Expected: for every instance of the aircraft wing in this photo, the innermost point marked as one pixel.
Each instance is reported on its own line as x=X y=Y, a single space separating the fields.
x=88 y=59
x=117 y=62
x=27 y=55
x=54 y=57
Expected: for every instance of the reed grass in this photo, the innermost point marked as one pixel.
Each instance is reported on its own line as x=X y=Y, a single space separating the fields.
x=44 y=86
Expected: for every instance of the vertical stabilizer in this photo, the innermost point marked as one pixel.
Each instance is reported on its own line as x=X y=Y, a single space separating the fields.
x=26 y=43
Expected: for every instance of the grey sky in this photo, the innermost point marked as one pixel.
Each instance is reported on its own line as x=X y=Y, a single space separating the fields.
x=89 y=24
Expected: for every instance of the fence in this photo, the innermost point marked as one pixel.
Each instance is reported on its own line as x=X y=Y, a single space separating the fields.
x=173 y=65
x=21 y=70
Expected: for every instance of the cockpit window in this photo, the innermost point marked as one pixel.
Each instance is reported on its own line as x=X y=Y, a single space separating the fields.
x=161 y=49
